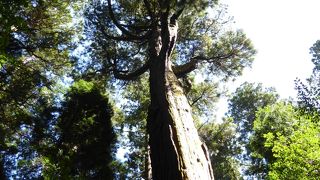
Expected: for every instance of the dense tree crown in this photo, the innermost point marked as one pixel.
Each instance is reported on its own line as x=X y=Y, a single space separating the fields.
x=121 y=32
x=163 y=62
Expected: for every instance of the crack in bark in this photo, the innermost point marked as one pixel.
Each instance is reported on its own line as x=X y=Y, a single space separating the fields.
x=206 y=153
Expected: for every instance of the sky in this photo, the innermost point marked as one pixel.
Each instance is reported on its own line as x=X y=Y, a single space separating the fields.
x=282 y=31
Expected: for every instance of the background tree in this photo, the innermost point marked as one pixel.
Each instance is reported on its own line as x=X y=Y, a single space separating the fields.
x=297 y=155
x=132 y=38
x=243 y=105
x=84 y=147
x=137 y=101
x=286 y=143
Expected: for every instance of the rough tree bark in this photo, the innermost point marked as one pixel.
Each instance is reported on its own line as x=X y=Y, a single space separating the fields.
x=176 y=149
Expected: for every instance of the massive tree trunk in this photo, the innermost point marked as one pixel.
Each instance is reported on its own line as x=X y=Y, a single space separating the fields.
x=176 y=150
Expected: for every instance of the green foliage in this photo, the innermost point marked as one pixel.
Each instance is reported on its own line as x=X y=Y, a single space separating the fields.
x=243 y=106
x=20 y=88
x=38 y=33
x=297 y=155
x=244 y=103
x=85 y=144
x=222 y=143
x=315 y=51
x=202 y=97
x=287 y=141
x=34 y=44
x=236 y=49
x=278 y=119
x=285 y=144
x=201 y=36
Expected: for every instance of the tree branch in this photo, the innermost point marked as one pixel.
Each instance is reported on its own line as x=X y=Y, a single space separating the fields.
x=194 y=101
x=177 y=14
x=122 y=75
x=116 y=38
x=188 y=67
x=120 y=26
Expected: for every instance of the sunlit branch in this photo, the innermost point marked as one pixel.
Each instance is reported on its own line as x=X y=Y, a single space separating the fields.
x=194 y=101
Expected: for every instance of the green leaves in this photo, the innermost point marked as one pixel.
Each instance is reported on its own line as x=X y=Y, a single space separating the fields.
x=287 y=141
x=232 y=52
x=244 y=103
x=298 y=155
x=82 y=87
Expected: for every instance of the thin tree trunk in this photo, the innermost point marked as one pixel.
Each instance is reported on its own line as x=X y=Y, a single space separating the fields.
x=147 y=160
x=2 y=169
x=176 y=150
x=148 y=167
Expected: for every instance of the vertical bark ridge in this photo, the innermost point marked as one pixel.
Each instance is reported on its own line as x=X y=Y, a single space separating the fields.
x=192 y=153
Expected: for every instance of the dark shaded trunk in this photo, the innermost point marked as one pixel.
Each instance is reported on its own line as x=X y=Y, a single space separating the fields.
x=176 y=150
x=2 y=169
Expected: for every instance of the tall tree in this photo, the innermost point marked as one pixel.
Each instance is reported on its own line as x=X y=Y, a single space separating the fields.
x=202 y=98
x=85 y=137
x=169 y=39
x=243 y=105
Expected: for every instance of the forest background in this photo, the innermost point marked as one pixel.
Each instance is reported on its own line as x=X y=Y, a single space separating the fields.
x=63 y=114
